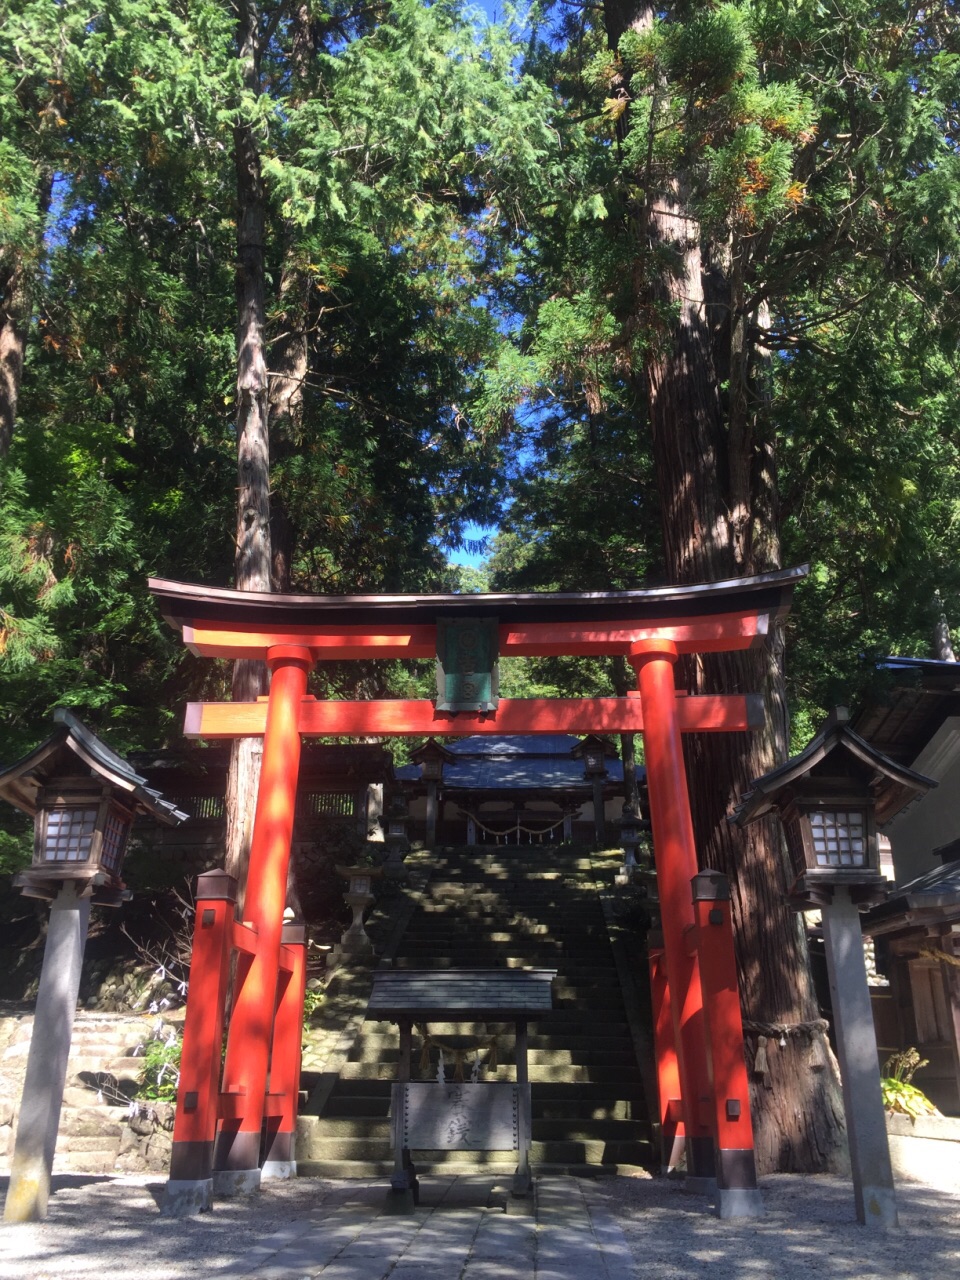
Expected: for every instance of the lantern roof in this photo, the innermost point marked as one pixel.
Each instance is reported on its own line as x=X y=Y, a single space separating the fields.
x=895 y=784
x=432 y=749
x=73 y=744
x=595 y=742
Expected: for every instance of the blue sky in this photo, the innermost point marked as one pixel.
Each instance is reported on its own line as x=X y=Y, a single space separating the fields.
x=472 y=531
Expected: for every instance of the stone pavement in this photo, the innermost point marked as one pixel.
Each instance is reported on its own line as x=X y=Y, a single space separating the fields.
x=460 y=1230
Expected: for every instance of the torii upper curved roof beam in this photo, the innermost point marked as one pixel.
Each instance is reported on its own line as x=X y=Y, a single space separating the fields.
x=706 y=617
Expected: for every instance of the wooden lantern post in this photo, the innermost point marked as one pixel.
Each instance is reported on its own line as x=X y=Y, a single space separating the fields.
x=431 y=758
x=83 y=799
x=594 y=751
x=629 y=843
x=825 y=798
x=396 y=840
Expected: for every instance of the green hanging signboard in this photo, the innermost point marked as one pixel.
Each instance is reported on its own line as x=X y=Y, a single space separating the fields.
x=467 y=674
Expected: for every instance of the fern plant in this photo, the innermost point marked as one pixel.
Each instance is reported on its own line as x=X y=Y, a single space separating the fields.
x=900 y=1095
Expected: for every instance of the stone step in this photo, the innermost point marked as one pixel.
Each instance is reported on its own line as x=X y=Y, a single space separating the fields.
x=593 y=968
x=573 y=1111
x=544 y=1093
x=611 y=1002
x=108 y=1064
x=370 y=1150
x=81 y=1097
x=74 y=1143
x=566 y=1019
x=87 y=1122
x=492 y=1163
x=377 y=1046
x=597 y=1055
x=577 y=1129
x=347 y=1105
x=607 y=1038
x=342 y=1128
x=582 y=1129
x=470 y=960
x=88 y=1162
x=559 y=1072
x=426 y=929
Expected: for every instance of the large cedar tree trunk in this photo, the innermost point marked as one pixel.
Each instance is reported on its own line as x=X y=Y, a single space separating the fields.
x=13 y=338
x=252 y=561
x=713 y=453
x=17 y=273
x=289 y=352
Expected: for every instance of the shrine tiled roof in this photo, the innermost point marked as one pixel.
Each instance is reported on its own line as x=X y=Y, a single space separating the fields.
x=546 y=744
x=522 y=774
x=933 y=898
x=525 y=762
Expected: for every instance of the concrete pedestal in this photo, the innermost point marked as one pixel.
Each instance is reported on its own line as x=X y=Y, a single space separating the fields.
x=236 y=1182
x=185 y=1197
x=47 y=1061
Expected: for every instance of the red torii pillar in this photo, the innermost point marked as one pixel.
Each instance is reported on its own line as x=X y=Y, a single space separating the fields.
x=237 y=1158
x=264 y=1035
x=676 y=856
x=707 y=1041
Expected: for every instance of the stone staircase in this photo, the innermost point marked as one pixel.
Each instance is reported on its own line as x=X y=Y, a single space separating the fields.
x=488 y=908
x=105 y=1061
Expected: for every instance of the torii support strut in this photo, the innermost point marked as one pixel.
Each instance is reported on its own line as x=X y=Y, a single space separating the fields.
x=651 y=629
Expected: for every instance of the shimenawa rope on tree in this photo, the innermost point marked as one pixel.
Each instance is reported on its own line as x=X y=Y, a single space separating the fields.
x=814 y=1031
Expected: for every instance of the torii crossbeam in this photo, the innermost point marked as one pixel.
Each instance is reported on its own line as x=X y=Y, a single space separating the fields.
x=699 y=1039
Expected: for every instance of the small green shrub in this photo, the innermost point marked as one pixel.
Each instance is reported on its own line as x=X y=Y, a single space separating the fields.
x=312 y=1001
x=161 y=1070
x=899 y=1094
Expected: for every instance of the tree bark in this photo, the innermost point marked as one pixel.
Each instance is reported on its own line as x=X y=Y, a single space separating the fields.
x=289 y=352
x=624 y=681
x=288 y=361
x=715 y=485
x=14 y=319
x=252 y=556
x=714 y=460
x=15 y=313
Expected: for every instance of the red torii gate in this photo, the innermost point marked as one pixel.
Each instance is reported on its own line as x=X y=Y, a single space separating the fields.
x=698 y=1032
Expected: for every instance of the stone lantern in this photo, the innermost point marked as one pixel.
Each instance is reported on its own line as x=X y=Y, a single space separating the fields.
x=594 y=750
x=355 y=941
x=83 y=799
x=395 y=822
x=629 y=842
x=826 y=798
x=431 y=758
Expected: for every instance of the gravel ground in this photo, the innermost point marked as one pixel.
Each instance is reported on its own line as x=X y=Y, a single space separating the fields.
x=809 y=1229
x=110 y=1226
